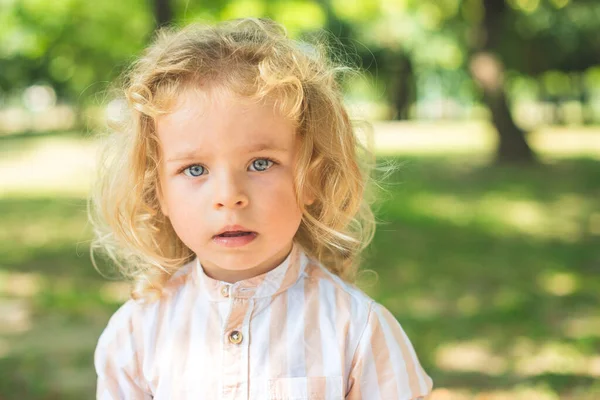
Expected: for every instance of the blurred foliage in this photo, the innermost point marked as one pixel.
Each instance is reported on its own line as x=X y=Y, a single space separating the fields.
x=78 y=46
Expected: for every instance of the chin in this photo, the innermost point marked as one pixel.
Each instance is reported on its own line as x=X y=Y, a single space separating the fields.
x=236 y=262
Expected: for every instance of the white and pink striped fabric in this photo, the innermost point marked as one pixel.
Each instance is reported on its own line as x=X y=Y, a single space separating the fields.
x=297 y=332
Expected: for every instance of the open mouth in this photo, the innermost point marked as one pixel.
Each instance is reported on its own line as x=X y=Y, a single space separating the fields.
x=234 y=238
x=235 y=234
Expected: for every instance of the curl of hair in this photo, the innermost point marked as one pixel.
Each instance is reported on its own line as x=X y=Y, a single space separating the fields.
x=253 y=58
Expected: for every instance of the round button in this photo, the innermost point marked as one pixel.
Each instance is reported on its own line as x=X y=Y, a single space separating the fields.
x=225 y=291
x=235 y=337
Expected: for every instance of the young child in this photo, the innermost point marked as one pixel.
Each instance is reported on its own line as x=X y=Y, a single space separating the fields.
x=234 y=198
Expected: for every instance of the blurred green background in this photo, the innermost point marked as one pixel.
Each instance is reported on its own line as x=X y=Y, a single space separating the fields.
x=489 y=248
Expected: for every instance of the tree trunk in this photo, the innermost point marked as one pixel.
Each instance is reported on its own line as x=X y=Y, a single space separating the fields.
x=402 y=85
x=163 y=13
x=488 y=72
x=512 y=146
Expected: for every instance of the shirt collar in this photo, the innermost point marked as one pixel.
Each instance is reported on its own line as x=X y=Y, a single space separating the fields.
x=268 y=284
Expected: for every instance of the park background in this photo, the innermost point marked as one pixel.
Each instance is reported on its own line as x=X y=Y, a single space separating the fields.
x=489 y=248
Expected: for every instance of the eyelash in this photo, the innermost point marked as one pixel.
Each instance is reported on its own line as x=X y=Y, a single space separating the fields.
x=182 y=170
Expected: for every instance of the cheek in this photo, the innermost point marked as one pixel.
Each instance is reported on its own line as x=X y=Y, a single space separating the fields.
x=173 y=194
x=276 y=188
x=186 y=210
x=276 y=199
x=181 y=201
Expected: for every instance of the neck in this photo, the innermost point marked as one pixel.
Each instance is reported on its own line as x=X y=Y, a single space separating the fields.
x=232 y=276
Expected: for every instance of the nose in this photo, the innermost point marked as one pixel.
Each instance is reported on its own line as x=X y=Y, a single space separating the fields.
x=229 y=192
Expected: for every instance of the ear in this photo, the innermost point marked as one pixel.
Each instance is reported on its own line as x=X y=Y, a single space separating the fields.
x=308 y=189
x=308 y=197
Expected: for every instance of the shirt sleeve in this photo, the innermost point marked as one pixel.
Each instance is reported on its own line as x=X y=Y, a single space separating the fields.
x=385 y=365
x=117 y=360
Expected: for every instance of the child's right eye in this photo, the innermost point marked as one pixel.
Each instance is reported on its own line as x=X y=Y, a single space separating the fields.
x=194 y=171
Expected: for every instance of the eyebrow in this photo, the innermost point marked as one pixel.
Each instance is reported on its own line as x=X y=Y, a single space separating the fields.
x=254 y=148
x=258 y=147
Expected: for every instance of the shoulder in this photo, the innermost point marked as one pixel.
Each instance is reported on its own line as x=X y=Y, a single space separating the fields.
x=136 y=316
x=319 y=277
x=344 y=302
x=122 y=325
x=344 y=299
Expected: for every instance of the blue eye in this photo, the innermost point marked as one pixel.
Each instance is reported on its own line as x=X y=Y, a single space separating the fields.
x=261 y=164
x=194 y=171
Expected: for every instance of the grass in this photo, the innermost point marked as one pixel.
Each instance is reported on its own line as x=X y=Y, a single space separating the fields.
x=492 y=271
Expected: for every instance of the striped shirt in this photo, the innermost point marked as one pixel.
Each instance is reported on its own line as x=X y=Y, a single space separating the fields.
x=297 y=332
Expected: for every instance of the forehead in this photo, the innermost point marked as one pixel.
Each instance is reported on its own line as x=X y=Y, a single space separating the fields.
x=219 y=120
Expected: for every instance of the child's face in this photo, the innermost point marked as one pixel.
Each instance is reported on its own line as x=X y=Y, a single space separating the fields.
x=228 y=165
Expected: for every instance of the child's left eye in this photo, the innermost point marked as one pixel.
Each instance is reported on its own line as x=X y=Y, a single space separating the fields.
x=261 y=164
x=194 y=171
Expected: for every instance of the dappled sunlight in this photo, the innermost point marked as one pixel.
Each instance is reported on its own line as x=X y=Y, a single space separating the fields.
x=582 y=326
x=555 y=220
x=560 y=219
x=526 y=358
x=558 y=283
x=521 y=392
x=449 y=207
x=450 y=394
x=426 y=306
x=430 y=306
x=468 y=304
x=594 y=224
x=56 y=118
x=115 y=292
x=57 y=165
x=51 y=336
x=522 y=215
x=422 y=137
x=15 y=316
x=20 y=284
x=556 y=141
x=476 y=357
x=478 y=137
x=471 y=356
x=33 y=233
x=531 y=358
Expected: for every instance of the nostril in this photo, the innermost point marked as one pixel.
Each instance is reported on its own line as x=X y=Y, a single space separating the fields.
x=239 y=201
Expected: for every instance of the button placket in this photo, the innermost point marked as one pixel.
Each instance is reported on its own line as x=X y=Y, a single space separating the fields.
x=235 y=350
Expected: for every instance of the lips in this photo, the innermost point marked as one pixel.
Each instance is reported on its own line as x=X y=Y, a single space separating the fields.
x=234 y=231
x=234 y=236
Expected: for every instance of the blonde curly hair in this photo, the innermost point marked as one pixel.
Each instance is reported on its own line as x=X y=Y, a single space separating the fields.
x=253 y=58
